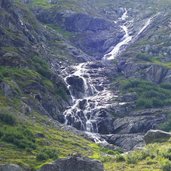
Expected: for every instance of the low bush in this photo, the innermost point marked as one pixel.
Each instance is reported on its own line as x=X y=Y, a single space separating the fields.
x=166 y=166
x=131 y=159
x=7 y=119
x=120 y=158
x=149 y=94
x=47 y=154
x=18 y=136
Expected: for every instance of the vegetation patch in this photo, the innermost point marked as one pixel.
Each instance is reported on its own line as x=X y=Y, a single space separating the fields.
x=149 y=94
x=7 y=119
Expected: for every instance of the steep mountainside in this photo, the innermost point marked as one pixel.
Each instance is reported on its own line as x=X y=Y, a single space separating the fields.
x=77 y=72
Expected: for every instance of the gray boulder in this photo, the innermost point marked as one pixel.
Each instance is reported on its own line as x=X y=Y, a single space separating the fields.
x=76 y=86
x=74 y=163
x=153 y=136
x=126 y=141
x=10 y=167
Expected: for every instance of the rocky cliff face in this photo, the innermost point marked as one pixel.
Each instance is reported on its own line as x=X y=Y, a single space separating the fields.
x=23 y=48
x=91 y=34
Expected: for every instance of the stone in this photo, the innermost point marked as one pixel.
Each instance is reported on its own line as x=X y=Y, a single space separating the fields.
x=74 y=163
x=136 y=124
x=153 y=136
x=126 y=141
x=10 y=167
x=76 y=86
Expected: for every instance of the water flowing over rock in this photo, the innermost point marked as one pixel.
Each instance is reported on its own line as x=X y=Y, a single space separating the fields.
x=100 y=111
x=125 y=40
x=90 y=99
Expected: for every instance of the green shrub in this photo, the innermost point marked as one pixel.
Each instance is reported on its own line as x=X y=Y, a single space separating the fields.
x=149 y=94
x=47 y=154
x=131 y=159
x=19 y=136
x=166 y=86
x=7 y=119
x=120 y=158
x=41 y=156
x=41 y=66
x=143 y=56
x=167 y=154
x=143 y=102
x=166 y=166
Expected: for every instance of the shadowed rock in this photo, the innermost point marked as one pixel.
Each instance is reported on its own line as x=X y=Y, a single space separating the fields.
x=10 y=167
x=153 y=136
x=74 y=163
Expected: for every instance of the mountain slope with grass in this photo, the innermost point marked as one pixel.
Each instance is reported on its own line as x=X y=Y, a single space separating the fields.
x=59 y=93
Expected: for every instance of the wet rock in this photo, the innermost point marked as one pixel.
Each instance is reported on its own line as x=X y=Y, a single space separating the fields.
x=153 y=136
x=75 y=163
x=104 y=122
x=76 y=86
x=82 y=104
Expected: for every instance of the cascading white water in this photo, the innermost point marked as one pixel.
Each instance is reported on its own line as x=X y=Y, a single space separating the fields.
x=115 y=52
x=127 y=37
x=82 y=114
x=125 y=40
x=92 y=101
x=75 y=112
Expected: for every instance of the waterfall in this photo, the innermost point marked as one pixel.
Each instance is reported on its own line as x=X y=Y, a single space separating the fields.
x=89 y=90
x=125 y=40
x=78 y=115
x=83 y=113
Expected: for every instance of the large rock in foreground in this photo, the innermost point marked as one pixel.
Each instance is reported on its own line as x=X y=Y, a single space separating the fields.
x=153 y=136
x=74 y=164
x=10 y=167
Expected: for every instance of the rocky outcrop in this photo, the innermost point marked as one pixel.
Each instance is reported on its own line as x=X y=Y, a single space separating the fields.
x=153 y=136
x=91 y=34
x=151 y=72
x=126 y=141
x=75 y=163
x=137 y=124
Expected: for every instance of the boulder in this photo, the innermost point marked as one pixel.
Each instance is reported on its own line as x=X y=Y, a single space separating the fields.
x=10 y=167
x=137 y=124
x=76 y=86
x=153 y=136
x=126 y=141
x=74 y=163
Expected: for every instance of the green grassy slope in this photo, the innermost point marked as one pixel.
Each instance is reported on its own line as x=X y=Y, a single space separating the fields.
x=33 y=140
